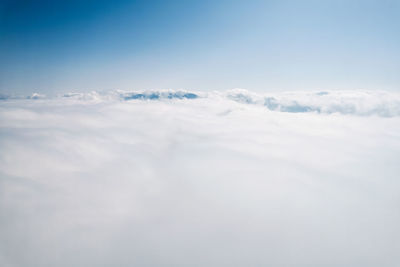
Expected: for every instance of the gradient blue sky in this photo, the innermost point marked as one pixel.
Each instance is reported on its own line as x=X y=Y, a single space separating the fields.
x=58 y=46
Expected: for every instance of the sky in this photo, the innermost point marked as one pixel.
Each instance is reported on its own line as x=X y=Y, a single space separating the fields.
x=207 y=133
x=63 y=46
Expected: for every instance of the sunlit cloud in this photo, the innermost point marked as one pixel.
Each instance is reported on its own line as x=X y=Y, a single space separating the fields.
x=206 y=178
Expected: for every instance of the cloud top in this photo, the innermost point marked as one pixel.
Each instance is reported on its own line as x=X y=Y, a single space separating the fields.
x=360 y=103
x=157 y=178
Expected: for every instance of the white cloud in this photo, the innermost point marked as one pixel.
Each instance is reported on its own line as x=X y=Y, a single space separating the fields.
x=164 y=177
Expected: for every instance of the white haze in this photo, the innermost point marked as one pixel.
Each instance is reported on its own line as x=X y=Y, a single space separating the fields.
x=168 y=178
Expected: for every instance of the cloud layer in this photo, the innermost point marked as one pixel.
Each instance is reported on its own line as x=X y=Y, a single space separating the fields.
x=361 y=103
x=206 y=179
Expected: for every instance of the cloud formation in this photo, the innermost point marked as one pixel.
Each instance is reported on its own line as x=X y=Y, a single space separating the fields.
x=360 y=103
x=195 y=178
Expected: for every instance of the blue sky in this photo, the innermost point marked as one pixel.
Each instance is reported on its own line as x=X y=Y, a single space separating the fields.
x=58 y=46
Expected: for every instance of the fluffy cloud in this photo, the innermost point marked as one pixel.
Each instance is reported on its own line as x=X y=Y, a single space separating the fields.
x=181 y=178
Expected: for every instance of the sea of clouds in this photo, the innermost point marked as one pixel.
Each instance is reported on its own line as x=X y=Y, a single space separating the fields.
x=178 y=178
